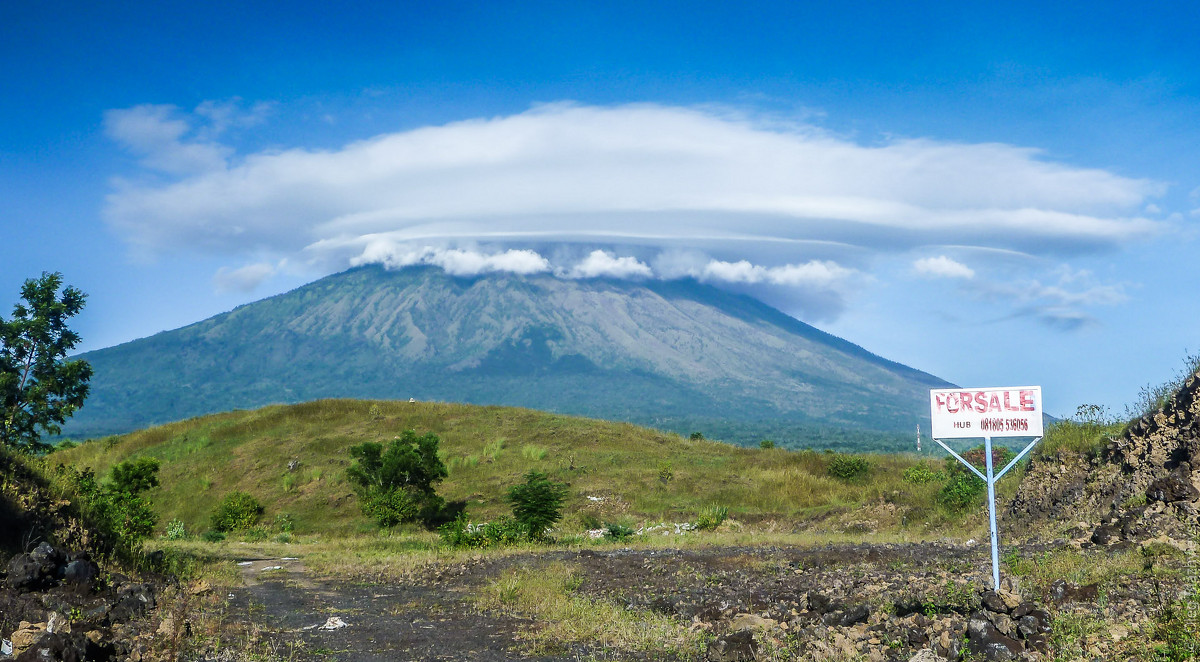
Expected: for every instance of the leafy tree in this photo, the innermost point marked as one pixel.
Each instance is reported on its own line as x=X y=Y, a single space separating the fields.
x=38 y=388
x=537 y=503
x=397 y=484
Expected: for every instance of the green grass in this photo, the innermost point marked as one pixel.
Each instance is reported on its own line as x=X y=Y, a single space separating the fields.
x=203 y=459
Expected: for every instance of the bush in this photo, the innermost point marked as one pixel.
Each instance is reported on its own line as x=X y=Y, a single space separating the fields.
x=963 y=490
x=396 y=484
x=134 y=476
x=116 y=506
x=237 y=511
x=848 y=467
x=711 y=517
x=921 y=474
x=537 y=503
x=389 y=508
x=461 y=533
x=175 y=530
x=213 y=535
x=617 y=531
x=766 y=444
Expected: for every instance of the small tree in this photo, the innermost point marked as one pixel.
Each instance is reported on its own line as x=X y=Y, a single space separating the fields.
x=397 y=484
x=537 y=503
x=39 y=390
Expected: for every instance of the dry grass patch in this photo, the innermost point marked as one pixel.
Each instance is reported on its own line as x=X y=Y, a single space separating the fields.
x=564 y=619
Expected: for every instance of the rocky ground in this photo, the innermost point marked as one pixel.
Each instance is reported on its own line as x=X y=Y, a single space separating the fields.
x=856 y=602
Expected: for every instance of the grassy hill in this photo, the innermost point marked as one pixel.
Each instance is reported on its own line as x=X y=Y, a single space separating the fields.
x=293 y=458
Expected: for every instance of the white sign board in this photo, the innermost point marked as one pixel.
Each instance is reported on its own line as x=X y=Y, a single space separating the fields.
x=1006 y=411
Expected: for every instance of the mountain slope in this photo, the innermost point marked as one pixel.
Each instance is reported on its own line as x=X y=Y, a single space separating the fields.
x=671 y=354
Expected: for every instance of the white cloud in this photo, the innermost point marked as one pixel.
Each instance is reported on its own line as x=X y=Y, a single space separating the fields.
x=600 y=263
x=242 y=279
x=1062 y=304
x=943 y=267
x=645 y=174
x=458 y=262
x=784 y=211
x=157 y=134
x=810 y=274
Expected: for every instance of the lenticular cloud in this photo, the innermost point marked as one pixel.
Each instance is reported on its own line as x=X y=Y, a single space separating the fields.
x=647 y=174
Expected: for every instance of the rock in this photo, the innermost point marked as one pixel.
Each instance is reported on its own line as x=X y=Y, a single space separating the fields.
x=993 y=602
x=733 y=647
x=1011 y=600
x=983 y=639
x=751 y=622
x=36 y=570
x=56 y=647
x=81 y=572
x=1106 y=534
x=25 y=635
x=818 y=603
x=1175 y=486
x=926 y=655
x=855 y=615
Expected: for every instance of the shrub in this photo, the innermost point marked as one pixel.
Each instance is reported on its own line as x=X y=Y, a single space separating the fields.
x=213 y=535
x=176 y=530
x=711 y=517
x=396 y=484
x=237 y=511
x=117 y=506
x=696 y=436
x=766 y=444
x=963 y=490
x=537 y=503
x=921 y=474
x=503 y=531
x=134 y=476
x=848 y=467
x=617 y=531
x=285 y=522
x=665 y=474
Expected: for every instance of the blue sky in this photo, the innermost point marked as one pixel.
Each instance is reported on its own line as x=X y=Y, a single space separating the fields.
x=999 y=196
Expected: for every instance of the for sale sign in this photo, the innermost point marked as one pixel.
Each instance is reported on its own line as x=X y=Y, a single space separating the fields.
x=1007 y=411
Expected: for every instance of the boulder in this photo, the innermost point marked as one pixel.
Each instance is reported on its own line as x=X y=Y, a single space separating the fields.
x=733 y=647
x=1175 y=486
x=985 y=641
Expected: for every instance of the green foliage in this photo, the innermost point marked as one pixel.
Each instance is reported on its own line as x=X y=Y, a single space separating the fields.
x=963 y=490
x=921 y=474
x=1086 y=433
x=213 y=535
x=848 y=467
x=124 y=514
x=499 y=533
x=135 y=476
x=537 y=503
x=237 y=511
x=176 y=530
x=39 y=389
x=696 y=436
x=766 y=444
x=618 y=531
x=711 y=517
x=390 y=508
x=665 y=473
x=396 y=484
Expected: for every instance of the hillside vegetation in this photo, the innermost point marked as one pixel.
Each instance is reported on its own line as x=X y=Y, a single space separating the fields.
x=293 y=459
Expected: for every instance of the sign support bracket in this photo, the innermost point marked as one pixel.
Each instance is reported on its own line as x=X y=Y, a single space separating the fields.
x=991 y=479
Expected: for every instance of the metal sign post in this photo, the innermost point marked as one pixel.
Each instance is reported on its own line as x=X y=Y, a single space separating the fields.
x=1000 y=412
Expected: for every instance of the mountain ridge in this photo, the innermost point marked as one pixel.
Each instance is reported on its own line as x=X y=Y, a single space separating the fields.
x=643 y=351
